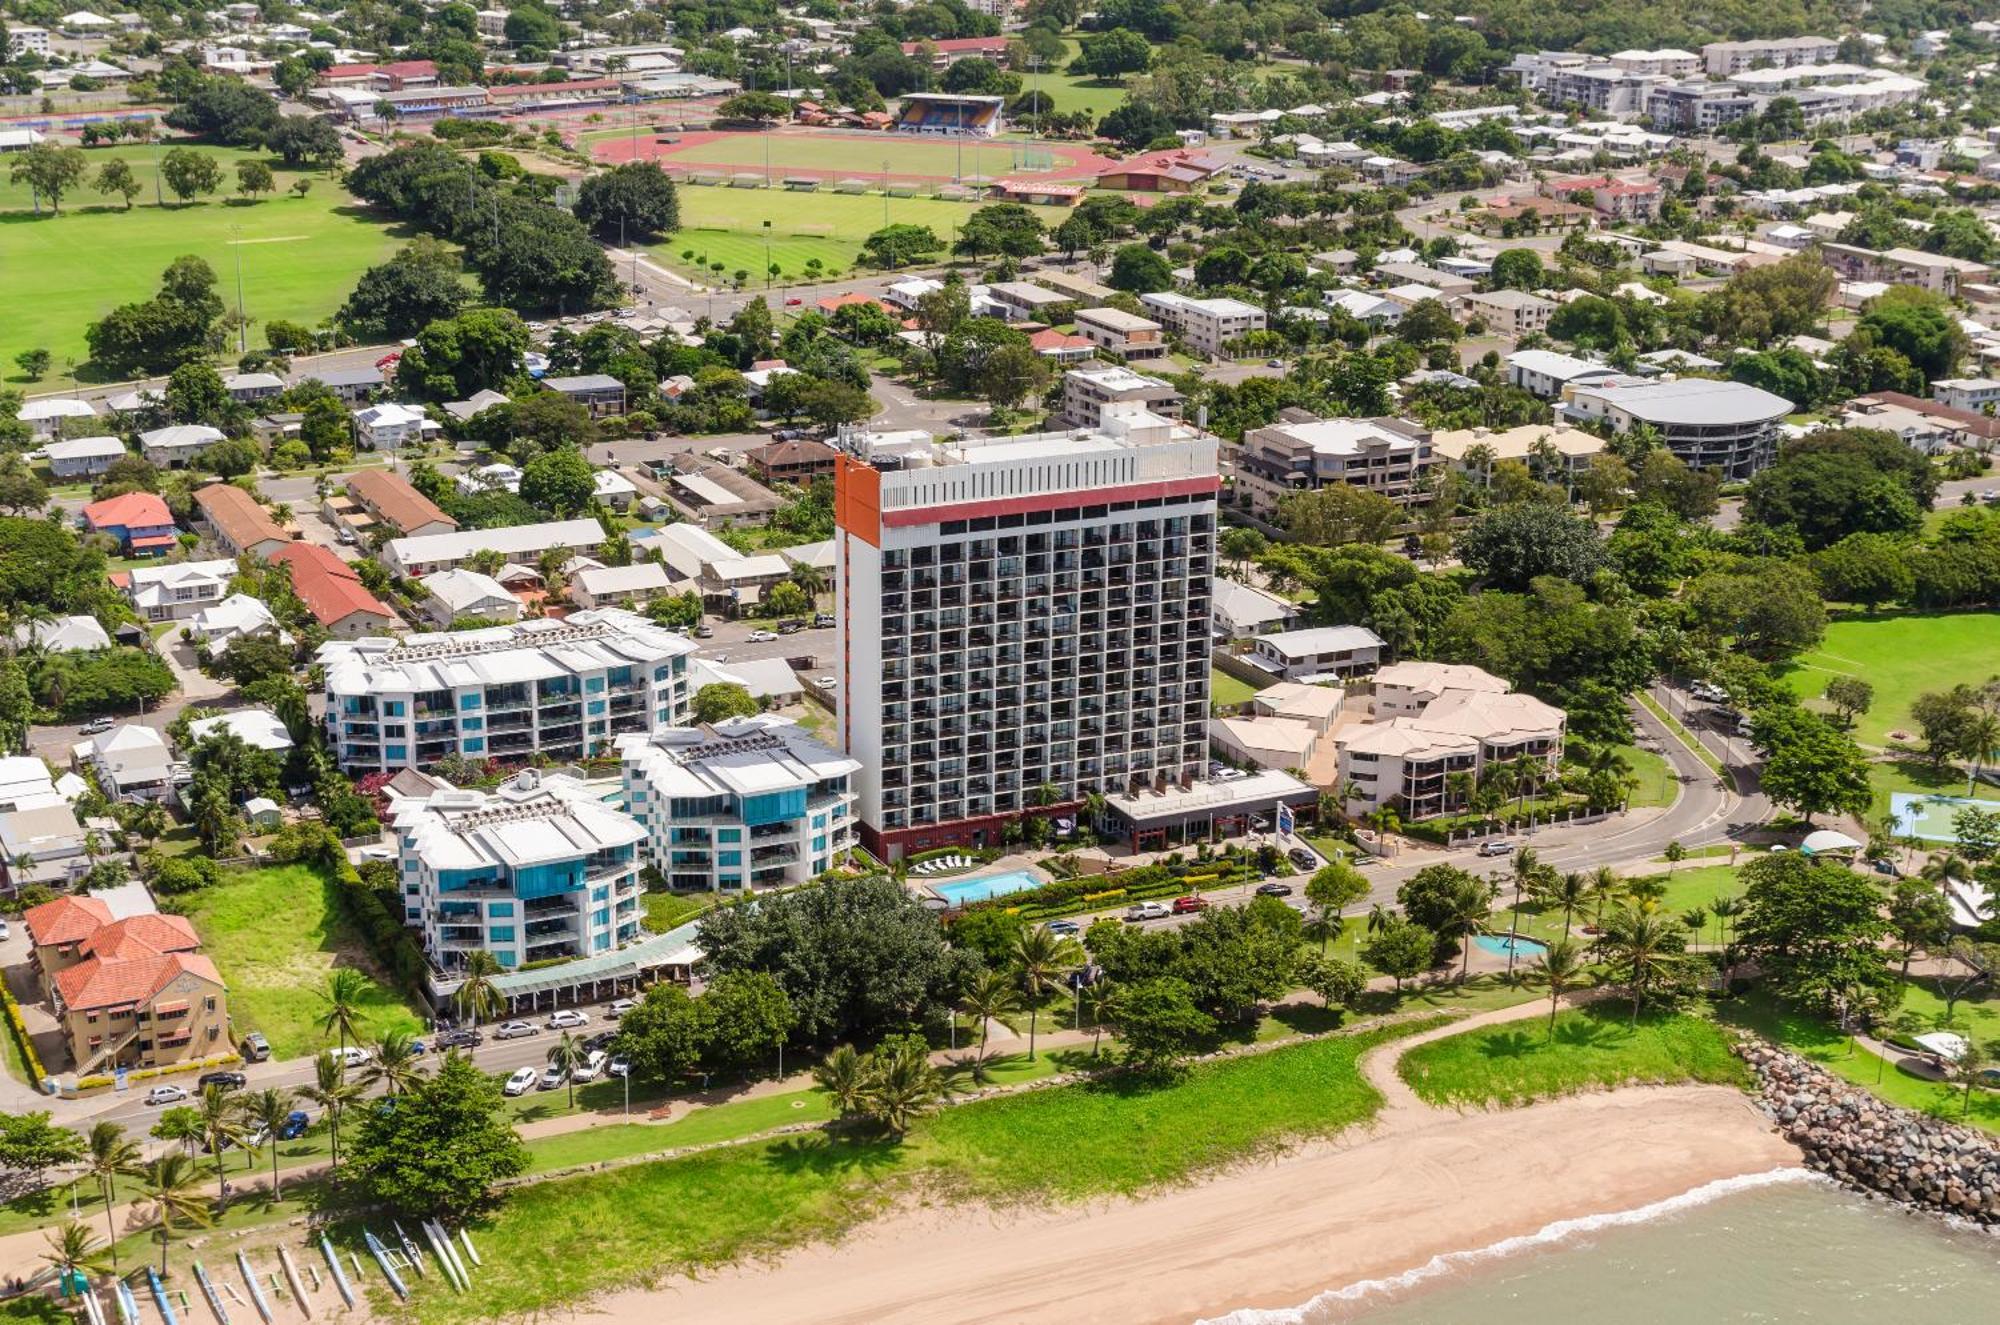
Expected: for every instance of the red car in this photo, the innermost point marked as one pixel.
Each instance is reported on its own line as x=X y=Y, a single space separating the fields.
x=793 y=303
x=1186 y=906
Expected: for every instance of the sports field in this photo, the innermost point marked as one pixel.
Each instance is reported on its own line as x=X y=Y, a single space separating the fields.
x=300 y=256
x=1928 y=818
x=1902 y=656
x=727 y=226
x=831 y=156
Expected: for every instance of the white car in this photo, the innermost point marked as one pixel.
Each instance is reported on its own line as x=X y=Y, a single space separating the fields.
x=520 y=1082
x=567 y=1019
x=593 y=1066
x=827 y=682
x=554 y=1078
x=166 y=1095
x=4 y=931
x=351 y=1057
x=619 y=1066
x=514 y=1030
x=761 y=636
x=615 y=1011
x=1147 y=911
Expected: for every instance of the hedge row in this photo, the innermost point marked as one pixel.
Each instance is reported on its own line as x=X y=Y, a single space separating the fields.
x=387 y=937
x=171 y=1069
x=18 y=1028
x=1094 y=892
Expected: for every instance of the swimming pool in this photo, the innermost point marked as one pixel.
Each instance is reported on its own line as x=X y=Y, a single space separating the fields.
x=988 y=886
x=1522 y=945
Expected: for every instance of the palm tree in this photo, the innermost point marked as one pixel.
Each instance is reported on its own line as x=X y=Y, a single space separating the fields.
x=1642 y=945
x=811 y=579
x=221 y=1127
x=73 y=1251
x=1568 y=890
x=844 y=1077
x=1724 y=909
x=1380 y=917
x=1694 y=920
x=1604 y=886
x=1471 y=909
x=991 y=997
x=567 y=1054
x=394 y=1064
x=1978 y=742
x=333 y=1092
x=902 y=1085
x=1041 y=960
x=477 y=995
x=345 y=989
x=1101 y=998
x=171 y=1185
x=109 y=1155
x=1560 y=967
x=265 y=1113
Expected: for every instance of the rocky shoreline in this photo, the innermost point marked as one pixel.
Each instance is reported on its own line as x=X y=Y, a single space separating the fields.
x=1876 y=1147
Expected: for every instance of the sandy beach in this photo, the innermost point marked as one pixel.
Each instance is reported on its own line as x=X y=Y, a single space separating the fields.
x=1386 y=1199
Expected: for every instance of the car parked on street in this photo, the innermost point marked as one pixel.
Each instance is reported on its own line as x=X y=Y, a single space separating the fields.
x=1064 y=928
x=760 y=637
x=520 y=1081
x=514 y=1030
x=351 y=1057
x=226 y=1080
x=166 y=1095
x=564 y=1019
x=619 y=1066
x=1146 y=911
x=254 y=1047
x=1496 y=847
x=458 y=1039
x=621 y=1007
x=593 y=1066
x=1274 y=889
x=1302 y=859
x=554 y=1078
x=1191 y=905
x=295 y=1126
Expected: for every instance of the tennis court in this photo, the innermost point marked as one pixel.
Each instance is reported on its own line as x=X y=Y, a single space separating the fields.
x=1928 y=818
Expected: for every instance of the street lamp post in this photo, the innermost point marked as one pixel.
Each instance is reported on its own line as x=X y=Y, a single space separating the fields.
x=242 y=328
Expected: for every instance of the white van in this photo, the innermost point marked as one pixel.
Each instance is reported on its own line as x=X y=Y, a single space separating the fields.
x=593 y=1066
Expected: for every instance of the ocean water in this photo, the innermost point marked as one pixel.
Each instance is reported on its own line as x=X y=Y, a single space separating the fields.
x=1779 y=1248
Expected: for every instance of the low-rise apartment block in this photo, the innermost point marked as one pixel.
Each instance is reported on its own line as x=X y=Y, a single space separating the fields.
x=747 y=803
x=1319 y=652
x=1726 y=426
x=1723 y=58
x=1132 y=338
x=1087 y=391
x=1436 y=730
x=238 y=522
x=1511 y=313
x=539 y=869
x=1208 y=326
x=1301 y=453
x=131 y=992
x=564 y=688
x=415 y=558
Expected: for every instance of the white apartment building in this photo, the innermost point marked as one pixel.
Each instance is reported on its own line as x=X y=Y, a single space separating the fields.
x=565 y=688
x=1022 y=624
x=1729 y=426
x=25 y=40
x=1511 y=313
x=1132 y=338
x=1973 y=393
x=1724 y=58
x=1088 y=391
x=538 y=869
x=1317 y=652
x=176 y=592
x=429 y=553
x=1545 y=373
x=1300 y=453
x=1436 y=729
x=1671 y=61
x=1207 y=325
x=747 y=803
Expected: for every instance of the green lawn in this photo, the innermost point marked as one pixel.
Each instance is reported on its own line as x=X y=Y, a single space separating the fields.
x=275 y=934
x=1911 y=774
x=862 y=155
x=1902 y=656
x=557 y=1242
x=1591 y=1049
x=667 y=910
x=1655 y=783
x=1226 y=689
x=727 y=226
x=300 y=256
x=1674 y=725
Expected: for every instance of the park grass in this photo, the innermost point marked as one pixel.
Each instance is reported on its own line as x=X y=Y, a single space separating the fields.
x=727 y=226
x=1818 y=1041
x=560 y=1241
x=1654 y=783
x=1594 y=1048
x=275 y=934
x=859 y=155
x=301 y=256
x=705 y=1126
x=1226 y=690
x=1902 y=655
x=1912 y=774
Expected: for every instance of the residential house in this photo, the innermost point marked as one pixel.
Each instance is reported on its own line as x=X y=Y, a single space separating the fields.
x=797 y=462
x=238 y=521
x=390 y=427
x=333 y=592
x=236 y=617
x=417 y=557
x=139 y=521
x=619 y=586
x=42 y=844
x=246 y=388
x=454 y=595
x=1321 y=651
x=1239 y=611
x=176 y=446
x=1511 y=313
x=1132 y=338
x=391 y=501
x=351 y=385
x=260 y=729
x=131 y=761
x=175 y=592
x=134 y=992
x=64 y=634
x=83 y=457
x=600 y=393
x=1545 y=373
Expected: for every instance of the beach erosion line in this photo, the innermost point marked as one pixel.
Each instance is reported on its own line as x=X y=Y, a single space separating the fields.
x=1550 y=1235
